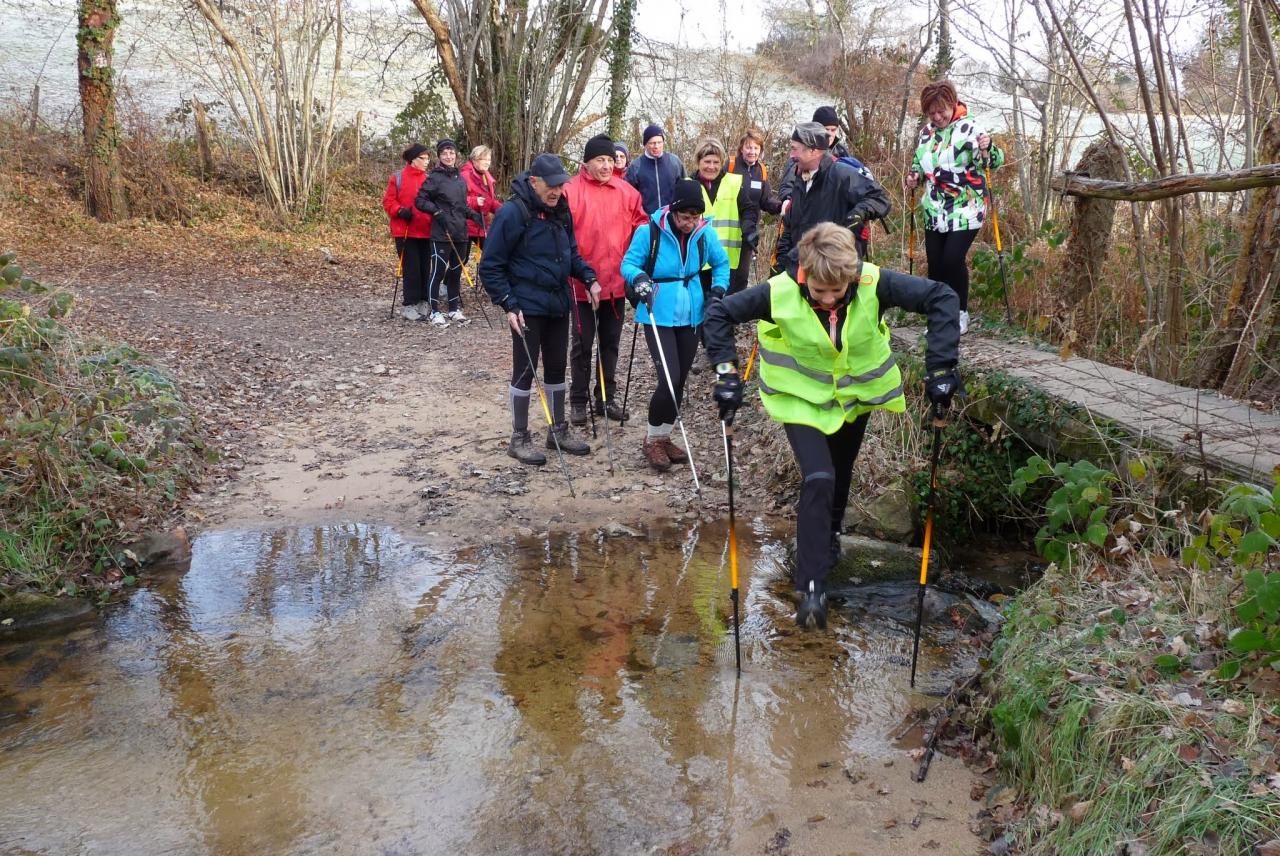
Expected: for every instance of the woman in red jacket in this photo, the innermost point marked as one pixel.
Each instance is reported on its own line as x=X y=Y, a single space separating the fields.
x=482 y=194
x=411 y=229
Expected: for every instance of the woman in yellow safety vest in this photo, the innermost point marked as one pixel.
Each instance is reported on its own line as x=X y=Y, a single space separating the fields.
x=825 y=365
x=728 y=201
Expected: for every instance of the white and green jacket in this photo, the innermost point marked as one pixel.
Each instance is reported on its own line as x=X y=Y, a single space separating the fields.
x=954 y=178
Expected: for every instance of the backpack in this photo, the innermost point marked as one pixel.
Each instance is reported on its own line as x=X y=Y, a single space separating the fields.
x=399 y=181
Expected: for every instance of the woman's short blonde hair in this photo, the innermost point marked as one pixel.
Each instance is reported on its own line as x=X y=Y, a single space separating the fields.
x=709 y=147
x=829 y=255
x=479 y=152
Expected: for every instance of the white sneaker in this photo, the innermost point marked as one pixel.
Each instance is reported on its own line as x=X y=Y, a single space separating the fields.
x=964 y=321
x=409 y=313
x=456 y=315
x=438 y=320
x=423 y=307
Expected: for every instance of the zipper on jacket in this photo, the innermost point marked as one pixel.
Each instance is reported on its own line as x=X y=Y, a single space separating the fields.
x=833 y=324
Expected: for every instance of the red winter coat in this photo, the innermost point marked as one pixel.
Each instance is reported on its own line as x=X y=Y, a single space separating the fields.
x=480 y=186
x=411 y=178
x=605 y=216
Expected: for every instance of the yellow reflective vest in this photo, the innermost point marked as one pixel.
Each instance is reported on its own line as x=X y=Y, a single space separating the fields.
x=724 y=217
x=804 y=380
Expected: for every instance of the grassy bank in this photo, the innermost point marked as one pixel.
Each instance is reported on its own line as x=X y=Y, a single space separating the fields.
x=96 y=444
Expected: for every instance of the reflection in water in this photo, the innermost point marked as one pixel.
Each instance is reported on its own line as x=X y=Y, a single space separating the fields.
x=337 y=689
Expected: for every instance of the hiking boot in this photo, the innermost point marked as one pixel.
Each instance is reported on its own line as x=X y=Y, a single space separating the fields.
x=569 y=444
x=655 y=452
x=615 y=411
x=964 y=321
x=522 y=449
x=409 y=313
x=423 y=307
x=812 y=611
x=674 y=453
x=456 y=315
x=577 y=414
x=438 y=319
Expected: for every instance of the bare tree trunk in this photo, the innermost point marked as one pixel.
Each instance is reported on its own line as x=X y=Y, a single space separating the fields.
x=35 y=110
x=204 y=134
x=1091 y=223
x=1072 y=184
x=102 y=192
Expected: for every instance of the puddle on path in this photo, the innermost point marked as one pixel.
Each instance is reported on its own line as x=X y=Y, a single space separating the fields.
x=339 y=690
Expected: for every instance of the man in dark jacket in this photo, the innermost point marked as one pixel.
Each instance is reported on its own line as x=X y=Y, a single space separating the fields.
x=825 y=191
x=528 y=258
x=655 y=172
x=444 y=196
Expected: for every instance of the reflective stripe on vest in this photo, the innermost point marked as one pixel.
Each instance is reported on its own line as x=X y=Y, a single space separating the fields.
x=803 y=378
x=723 y=214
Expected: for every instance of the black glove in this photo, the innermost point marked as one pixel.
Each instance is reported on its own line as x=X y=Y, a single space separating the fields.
x=752 y=239
x=854 y=224
x=717 y=294
x=640 y=291
x=475 y=217
x=405 y=214
x=728 y=394
x=941 y=385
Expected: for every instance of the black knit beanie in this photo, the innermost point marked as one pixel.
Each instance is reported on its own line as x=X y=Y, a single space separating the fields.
x=445 y=144
x=413 y=151
x=597 y=146
x=686 y=195
x=826 y=116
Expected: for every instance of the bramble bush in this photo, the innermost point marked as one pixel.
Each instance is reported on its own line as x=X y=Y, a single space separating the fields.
x=95 y=442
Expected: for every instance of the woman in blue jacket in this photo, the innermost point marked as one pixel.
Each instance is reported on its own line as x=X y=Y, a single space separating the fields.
x=661 y=270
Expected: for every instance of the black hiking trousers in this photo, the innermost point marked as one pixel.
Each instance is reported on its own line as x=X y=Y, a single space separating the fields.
x=948 y=260
x=585 y=377
x=826 y=468
x=416 y=272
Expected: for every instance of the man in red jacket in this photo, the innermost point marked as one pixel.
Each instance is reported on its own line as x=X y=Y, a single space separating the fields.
x=411 y=230
x=606 y=211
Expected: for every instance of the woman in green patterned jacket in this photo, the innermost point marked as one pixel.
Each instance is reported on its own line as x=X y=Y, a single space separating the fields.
x=952 y=157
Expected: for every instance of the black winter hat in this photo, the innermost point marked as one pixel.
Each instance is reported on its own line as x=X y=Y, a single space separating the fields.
x=686 y=195
x=446 y=143
x=651 y=132
x=825 y=115
x=598 y=146
x=811 y=134
x=413 y=151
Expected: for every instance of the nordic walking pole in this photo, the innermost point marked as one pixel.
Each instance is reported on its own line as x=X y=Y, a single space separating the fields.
x=726 y=430
x=604 y=398
x=911 y=240
x=939 y=422
x=471 y=282
x=755 y=348
x=995 y=227
x=399 y=277
x=546 y=411
x=631 y=361
x=662 y=357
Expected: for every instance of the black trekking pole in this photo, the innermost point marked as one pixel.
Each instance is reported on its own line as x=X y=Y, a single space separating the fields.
x=911 y=241
x=546 y=411
x=726 y=431
x=604 y=398
x=471 y=282
x=399 y=277
x=631 y=361
x=939 y=422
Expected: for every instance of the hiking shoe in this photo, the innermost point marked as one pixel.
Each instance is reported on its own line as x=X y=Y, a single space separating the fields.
x=655 y=452
x=964 y=321
x=409 y=313
x=675 y=454
x=569 y=444
x=812 y=611
x=423 y=307
x=456 y=315
x=438 y=319
x=577 y=414
x=522 y=449
x=615 y=411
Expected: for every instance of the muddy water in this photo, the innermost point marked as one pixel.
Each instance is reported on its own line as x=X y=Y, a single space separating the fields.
x=339 y=690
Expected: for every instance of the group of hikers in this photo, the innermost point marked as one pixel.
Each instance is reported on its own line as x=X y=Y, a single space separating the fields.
x=562 y=254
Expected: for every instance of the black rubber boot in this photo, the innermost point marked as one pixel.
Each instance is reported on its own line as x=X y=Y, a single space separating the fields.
x=812 y=611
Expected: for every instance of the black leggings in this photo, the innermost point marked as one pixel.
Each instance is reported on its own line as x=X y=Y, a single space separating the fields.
x=548 y=337
x=826 y=466
x=679 y=344
x=946 y=252
x=446 y=269
x=416 y=269
x=585 y=321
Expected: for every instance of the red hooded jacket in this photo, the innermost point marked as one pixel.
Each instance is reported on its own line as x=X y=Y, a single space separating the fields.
x=605 y=216
x=411 y=178
x=480 y=187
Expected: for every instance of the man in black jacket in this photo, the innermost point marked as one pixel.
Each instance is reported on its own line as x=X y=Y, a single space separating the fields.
x=825 y=191
x=444 y=196
x=529 y=255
